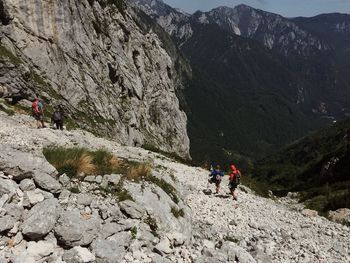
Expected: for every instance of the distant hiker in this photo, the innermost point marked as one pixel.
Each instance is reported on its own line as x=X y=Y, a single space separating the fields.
x=58 y=118
x=215 y=177
x=38 y=112
x=235 y=180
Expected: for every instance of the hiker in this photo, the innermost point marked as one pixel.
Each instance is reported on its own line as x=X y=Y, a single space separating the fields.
x=38 y=112
x=235 y=180
x=58 y=118
x=215 y=177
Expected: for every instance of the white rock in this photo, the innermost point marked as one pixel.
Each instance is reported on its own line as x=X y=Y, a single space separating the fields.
x=40 y=249
x=163 y=247
x=34 y=196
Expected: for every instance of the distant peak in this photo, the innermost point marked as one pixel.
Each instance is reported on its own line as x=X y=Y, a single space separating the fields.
x=243 y=6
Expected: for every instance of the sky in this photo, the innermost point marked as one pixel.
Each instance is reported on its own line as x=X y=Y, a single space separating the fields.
x=287 y=8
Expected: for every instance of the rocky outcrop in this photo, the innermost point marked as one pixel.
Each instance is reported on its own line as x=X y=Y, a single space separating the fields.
x=111 y=73
x=48 y=217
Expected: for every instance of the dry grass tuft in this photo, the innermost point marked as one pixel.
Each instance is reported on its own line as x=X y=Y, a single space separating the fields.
x=84 y=164
x=139 y=172
x=115 y=163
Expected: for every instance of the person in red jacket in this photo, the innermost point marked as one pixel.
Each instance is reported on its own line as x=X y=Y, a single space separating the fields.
x=235 y=180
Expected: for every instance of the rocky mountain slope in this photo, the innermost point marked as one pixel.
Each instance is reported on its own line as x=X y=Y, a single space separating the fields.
x=110 y=70
x=292 y=66
x=46 y=216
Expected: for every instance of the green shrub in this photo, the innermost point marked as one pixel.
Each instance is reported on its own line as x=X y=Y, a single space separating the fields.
x=134 y=232
x=231 y=239
x=74 y=190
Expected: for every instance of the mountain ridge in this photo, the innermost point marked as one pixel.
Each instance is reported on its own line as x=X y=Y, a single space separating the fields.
x=317 y=73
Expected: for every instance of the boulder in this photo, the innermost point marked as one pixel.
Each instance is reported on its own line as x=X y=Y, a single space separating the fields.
x=23 y=257
x=14 y=210
x=7 y=186
x=64 y=180
x=6 y=223
x=236 y=253
x=309 y=213
x=40 y=249
x=84 y=199
x=108 y=251
x=78 y=255
x=109 y=229
x=159 y=259
x=47 y=182
x=27 y=185
x=132 y=209
x=110 y=179
x=3 y=199
x=74 y=229
x=23 y=165
x=41 y=219
x=33 y=197
x=163 y=247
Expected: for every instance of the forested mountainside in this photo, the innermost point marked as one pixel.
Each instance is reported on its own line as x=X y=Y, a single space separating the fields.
x=286 y=75
x=112 y=68
x=317 y=166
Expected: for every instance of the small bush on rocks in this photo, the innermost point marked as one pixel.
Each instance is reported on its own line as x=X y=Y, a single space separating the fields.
x=177 y=212
x=152 y=223
x=231 y=239
x=118 y=191
x=134 y=232
x=139 y=172
x=74 y=190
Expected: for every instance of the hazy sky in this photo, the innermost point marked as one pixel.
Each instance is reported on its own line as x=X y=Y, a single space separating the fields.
x=288 y=8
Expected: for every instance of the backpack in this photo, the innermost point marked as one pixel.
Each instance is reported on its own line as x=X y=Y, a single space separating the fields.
x=57 y=116
x=35 y=107
x=238 y=178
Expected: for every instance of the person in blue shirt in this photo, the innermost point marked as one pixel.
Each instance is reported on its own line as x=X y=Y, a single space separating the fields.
x=215 y=177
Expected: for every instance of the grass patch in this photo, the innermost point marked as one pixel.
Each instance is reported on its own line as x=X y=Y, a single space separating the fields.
x=139 y=172
x=80 y=162
x=118 y=191
x=168 y=188
x=5 y=53
x=76 y=162
x=7 y=110
x=177 y=212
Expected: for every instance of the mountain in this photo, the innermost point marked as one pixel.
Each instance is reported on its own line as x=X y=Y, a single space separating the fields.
x=115 y=71
x=317 y=166
x=261 y=80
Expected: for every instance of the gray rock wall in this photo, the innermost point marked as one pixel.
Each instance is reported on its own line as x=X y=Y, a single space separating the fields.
x=113 y=78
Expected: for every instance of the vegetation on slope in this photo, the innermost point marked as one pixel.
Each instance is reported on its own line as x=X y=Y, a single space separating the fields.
x=317 y=166
x=241 y=98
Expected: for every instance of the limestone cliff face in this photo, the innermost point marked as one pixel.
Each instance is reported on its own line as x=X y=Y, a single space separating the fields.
x=114 y=77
